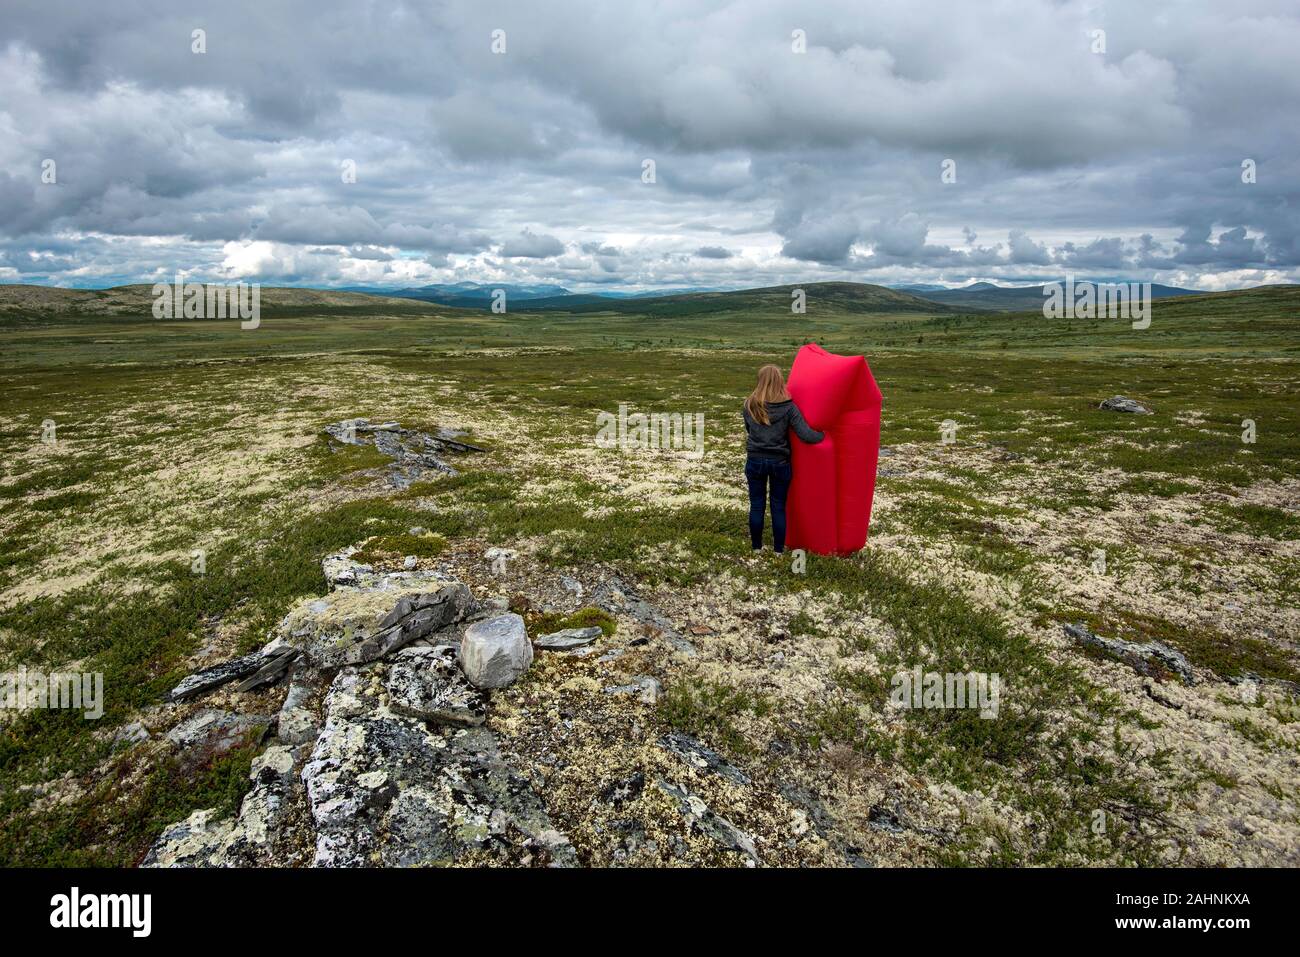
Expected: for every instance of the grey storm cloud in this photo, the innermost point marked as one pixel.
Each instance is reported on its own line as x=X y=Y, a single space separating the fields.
x=529 y=245
x=771 y=165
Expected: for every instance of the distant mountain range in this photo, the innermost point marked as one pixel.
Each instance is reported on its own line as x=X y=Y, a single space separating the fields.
x=478 y=295
x=844 y=297
x=976 y=297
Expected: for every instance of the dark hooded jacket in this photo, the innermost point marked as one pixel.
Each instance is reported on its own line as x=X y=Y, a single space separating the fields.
x=772 y=441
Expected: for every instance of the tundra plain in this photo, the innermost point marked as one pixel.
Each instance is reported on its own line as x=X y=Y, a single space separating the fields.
x=173 y=437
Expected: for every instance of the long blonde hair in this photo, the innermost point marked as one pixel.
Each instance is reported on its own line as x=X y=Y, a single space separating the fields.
x=770 y=388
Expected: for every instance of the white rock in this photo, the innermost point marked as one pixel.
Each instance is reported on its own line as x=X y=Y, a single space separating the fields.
x=495 y=652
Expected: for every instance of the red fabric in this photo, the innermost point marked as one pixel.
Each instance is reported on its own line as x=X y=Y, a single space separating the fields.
x=820 y=383
x=829 y=508
x=812 y=488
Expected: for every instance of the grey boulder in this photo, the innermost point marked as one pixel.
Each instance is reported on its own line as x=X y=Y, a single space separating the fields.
x=1119 y=403
x=495 y=652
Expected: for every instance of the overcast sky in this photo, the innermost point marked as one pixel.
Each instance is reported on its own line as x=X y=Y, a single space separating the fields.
x=770 y=165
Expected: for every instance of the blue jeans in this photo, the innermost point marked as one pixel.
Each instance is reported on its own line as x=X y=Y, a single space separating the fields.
x=757 y=473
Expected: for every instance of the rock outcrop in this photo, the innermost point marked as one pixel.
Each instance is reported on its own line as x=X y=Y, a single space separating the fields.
x=354 y=625
x=393 y=766
x=414 y=453
x=386 y=789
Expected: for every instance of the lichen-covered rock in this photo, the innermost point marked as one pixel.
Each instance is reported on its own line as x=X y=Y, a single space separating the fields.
x=213 y=732
x=355 y=625
x=203 y=840
x=414 y=453
x=130 y=734
x=342 y=572
x=695 y=754
x=386 y=789
x=699 y=816
x=646 y=688
x=426 y=683
x=298 y=722
x=198 y=841
x=495 y=652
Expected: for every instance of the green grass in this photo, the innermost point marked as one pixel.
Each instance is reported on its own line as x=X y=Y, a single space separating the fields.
x=114 y=824
x=709 y=709
x=545 y=623
x=396 y=547
x=139 y=641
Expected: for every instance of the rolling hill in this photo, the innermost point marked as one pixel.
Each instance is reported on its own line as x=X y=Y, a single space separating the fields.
x=991 y=297
x=137 y=299
x=847 y=297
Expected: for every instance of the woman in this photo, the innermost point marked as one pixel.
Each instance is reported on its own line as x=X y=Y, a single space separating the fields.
x=769 y=417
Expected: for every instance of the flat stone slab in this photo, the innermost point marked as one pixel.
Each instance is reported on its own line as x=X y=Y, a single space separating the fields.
x=215 y=732
x=701 y=817
x=615 y=595
x=568 y=638
x=646 y=688
x=414 y=453
x=356 y=625
x=214 y=676
x=1119 y=403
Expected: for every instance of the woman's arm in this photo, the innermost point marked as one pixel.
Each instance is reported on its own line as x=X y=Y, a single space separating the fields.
x=802 y=429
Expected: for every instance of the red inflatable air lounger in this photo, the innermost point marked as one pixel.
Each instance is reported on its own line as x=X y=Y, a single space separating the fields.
x=829 y=507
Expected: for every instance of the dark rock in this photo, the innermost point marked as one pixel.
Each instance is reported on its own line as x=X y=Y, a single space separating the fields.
x=615 y=595
x=1159 y=698
x=624 y=790
x=882 y=819
x=210 y=678
x=1151 y=658
x=701 y=758
x=274 y=669
x=699 y=816
x=1119 y=403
